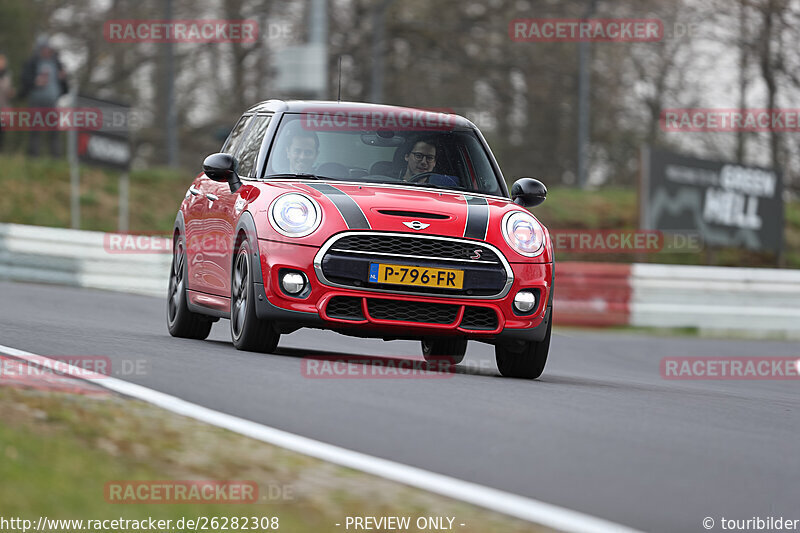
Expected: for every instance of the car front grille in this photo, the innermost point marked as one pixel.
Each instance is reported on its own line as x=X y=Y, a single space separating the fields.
x=479 y=318
x=403 y=311
x=345 y=308
x=475 y=318
x=345 y=262
x=398 y=246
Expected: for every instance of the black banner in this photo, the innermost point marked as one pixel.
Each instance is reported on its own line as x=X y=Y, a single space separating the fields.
x=728 y=204
x=108 y=145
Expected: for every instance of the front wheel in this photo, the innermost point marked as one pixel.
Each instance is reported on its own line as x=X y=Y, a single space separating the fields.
x=524 y=360
x=452 y=349
x=248 y=332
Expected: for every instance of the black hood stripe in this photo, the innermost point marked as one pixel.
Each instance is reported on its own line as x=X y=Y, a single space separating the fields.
x=477 y=218
x=353 y=216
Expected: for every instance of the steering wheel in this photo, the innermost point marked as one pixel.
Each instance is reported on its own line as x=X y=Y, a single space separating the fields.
x=419 y=177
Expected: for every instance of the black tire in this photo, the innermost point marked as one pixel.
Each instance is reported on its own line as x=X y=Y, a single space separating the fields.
x=451 y=348
x=248 y=332
x=180 y=321
x=524 y=360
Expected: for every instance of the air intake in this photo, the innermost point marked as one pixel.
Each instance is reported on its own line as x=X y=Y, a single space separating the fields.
x=412 y=214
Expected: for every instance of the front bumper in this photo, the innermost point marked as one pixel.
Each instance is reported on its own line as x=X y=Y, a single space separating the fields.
x=417 y=316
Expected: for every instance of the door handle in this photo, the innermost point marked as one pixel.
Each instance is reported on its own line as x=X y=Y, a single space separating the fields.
x=212 y=197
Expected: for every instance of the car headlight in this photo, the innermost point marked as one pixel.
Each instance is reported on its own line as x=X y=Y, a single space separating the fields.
x=523 y=233
x=295 y=215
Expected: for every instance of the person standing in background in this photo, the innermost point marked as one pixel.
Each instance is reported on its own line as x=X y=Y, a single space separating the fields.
x=6 y=91
x=44 y=80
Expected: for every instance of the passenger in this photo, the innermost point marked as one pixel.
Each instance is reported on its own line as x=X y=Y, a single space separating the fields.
x=302 y=152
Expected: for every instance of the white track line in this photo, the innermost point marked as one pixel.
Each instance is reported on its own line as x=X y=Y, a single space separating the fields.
x=496 y=500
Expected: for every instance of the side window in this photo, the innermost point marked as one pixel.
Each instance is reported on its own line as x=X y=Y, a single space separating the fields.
x=232 y=144
x=252 y=144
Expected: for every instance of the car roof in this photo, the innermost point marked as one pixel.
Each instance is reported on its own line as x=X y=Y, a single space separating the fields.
x=322 y=106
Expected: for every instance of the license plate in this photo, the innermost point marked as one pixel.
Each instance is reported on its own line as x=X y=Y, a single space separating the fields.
x=440 y=278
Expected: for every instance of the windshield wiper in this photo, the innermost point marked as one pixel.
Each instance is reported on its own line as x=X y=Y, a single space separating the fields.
x=302 y=175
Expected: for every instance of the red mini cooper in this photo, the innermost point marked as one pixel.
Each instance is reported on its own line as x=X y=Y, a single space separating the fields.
x=369 y=220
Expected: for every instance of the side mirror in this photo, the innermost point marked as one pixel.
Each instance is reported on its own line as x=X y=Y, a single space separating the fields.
x=528 y=192
x=222 y=167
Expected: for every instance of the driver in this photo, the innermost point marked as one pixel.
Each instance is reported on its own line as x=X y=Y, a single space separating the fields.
x=302 y=152
x=421 y=158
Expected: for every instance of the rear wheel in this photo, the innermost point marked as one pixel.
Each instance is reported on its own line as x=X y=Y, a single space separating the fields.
x=452 y=349
x=180 y=321
x=523 y=359
x=248 y=332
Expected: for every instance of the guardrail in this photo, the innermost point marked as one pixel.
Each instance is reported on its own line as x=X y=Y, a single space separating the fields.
x=79 y=259
x=716 y=298
x=751 y=301
x=747 y=300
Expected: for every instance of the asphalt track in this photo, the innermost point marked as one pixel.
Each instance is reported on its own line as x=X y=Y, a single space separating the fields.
x=601 y=432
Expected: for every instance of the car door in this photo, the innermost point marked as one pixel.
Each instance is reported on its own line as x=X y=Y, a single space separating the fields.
x=203 y=236
x=225 y=208
x=193 y=213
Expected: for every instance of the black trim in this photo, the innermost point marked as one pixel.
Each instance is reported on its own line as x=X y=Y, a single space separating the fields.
x=353 y=216
x=412 y=214
x=180 y=225
x=534 y=334
x=267 y=311
x=477 y=218
x=248 y=224
x=208 y=311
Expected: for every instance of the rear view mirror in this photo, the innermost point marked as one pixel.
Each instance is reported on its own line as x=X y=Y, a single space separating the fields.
x=382 y=138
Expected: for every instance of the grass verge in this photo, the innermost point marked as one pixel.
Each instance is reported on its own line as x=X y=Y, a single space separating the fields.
x=57 y=452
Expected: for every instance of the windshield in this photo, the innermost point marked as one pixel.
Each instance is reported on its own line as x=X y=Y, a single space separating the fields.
x=444 y=158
